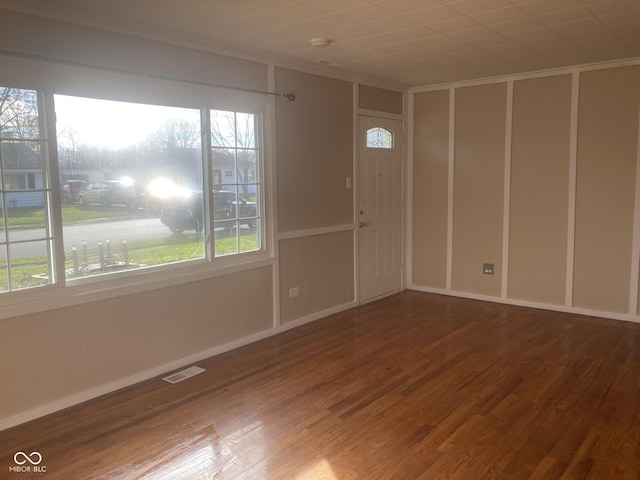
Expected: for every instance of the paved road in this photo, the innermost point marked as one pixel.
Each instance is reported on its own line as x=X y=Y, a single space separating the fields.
x=115 y=231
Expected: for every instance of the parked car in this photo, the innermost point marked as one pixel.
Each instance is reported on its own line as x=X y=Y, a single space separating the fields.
x=71 y=189
x=183 y=214
x=108 y=193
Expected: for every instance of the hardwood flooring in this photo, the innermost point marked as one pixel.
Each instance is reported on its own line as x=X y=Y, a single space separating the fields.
x=415 y=386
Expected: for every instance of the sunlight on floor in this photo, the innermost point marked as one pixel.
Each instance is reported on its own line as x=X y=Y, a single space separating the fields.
x=200 y=464
x=318 y=471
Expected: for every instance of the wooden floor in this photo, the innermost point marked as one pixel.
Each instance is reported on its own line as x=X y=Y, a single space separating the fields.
x=415 y=386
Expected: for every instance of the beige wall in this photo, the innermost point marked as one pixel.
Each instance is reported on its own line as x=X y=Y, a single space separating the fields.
x=538 y=221
x=380 y=99
x=430 y=188
x=321 y=266
x=607 y=157
x=314 y=158
x=49 y=356
x=478 y=187
x=65 y=41
x=55 y=357
x=314 y=151
x=571 y=189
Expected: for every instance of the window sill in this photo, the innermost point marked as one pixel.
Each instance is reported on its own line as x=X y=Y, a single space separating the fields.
x=36 y=300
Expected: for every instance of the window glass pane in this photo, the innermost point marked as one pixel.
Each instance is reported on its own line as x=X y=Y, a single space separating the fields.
x=223 y=167
x=247 y=166
x=3 y=213
x=24 y=239
x=19 y=114
x=245 y=130
x=19 y=160
x=26 y=218
x=223 y=131
x=250 y=236
x=132 y=183
x=236 y=182
x=29 y=264
x=224 y=203
x=4 y=269
x=14 y=181
x=248 y=204
x=378 y=137
x=225 y=237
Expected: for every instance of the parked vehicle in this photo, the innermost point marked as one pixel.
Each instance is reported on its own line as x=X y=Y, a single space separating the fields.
x=71 y=189
x=108 y=193
x=183 y=214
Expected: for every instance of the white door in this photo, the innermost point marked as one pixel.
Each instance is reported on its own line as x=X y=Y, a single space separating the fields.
x=380 y=206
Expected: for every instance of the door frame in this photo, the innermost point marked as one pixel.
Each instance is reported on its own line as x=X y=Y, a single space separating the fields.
x=361 y=112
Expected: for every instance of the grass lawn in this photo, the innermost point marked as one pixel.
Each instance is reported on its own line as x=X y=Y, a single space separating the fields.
x=27 y=271
x=34 y=218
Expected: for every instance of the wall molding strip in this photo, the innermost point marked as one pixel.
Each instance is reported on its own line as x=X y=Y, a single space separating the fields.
x=635 y=255
x=450 y=186
x=523 y=303
x=310 y=232
x=571 y=208
x=506 y=210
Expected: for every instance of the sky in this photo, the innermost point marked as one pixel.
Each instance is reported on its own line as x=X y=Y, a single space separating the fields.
x=113 y=124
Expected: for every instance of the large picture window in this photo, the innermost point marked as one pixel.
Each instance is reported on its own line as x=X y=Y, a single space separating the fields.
x=139 y=196
x=25 y=227
x=138 y=189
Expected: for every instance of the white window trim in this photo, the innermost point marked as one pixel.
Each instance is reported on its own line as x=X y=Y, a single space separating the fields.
x=64 y=293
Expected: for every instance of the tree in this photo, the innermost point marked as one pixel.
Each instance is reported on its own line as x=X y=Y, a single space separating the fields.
x=70 y=149
x=19 y=114
x=235 y=133
x=173 y=134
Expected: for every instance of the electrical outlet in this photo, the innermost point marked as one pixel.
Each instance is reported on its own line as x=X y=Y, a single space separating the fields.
x=487 y=268
x=294 y=292
x=349 y=183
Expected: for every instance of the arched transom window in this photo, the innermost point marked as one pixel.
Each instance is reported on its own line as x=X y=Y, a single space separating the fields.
x=378 y=137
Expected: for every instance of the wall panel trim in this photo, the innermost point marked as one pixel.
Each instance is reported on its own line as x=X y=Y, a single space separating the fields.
x=635 y=245
x=506 y=207
x=573 y=166
x=565 y=304
x=527 y=75
x=408 y=182
x=310 y=232
x=523 y=303
x=452 y=154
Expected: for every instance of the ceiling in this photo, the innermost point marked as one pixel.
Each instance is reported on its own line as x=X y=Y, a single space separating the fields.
x=405 y=43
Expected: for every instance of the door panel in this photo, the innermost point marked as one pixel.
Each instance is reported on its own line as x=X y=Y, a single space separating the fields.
x=380 y=207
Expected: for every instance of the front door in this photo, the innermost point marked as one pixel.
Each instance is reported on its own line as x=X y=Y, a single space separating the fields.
x=380 y=206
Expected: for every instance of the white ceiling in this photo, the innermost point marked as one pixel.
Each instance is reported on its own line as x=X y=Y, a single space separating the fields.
x=399 y=42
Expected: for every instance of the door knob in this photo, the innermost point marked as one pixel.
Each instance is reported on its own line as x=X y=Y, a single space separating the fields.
x=364 y=224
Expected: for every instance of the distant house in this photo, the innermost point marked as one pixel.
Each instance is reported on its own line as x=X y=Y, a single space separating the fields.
x=22 y=175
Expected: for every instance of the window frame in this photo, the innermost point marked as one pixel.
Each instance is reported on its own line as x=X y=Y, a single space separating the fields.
x=378 y=130
x=62 y=292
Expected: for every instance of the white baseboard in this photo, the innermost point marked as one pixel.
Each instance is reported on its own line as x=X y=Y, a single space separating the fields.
x=92 y=393
x=524 y=303
x=316 y=316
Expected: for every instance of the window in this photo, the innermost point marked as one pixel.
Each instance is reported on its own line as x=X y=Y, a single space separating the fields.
x=378 y=137
x=25 y=228
x=237 y=198
x=139 y=191
x=20 y=181
x=144 y=205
